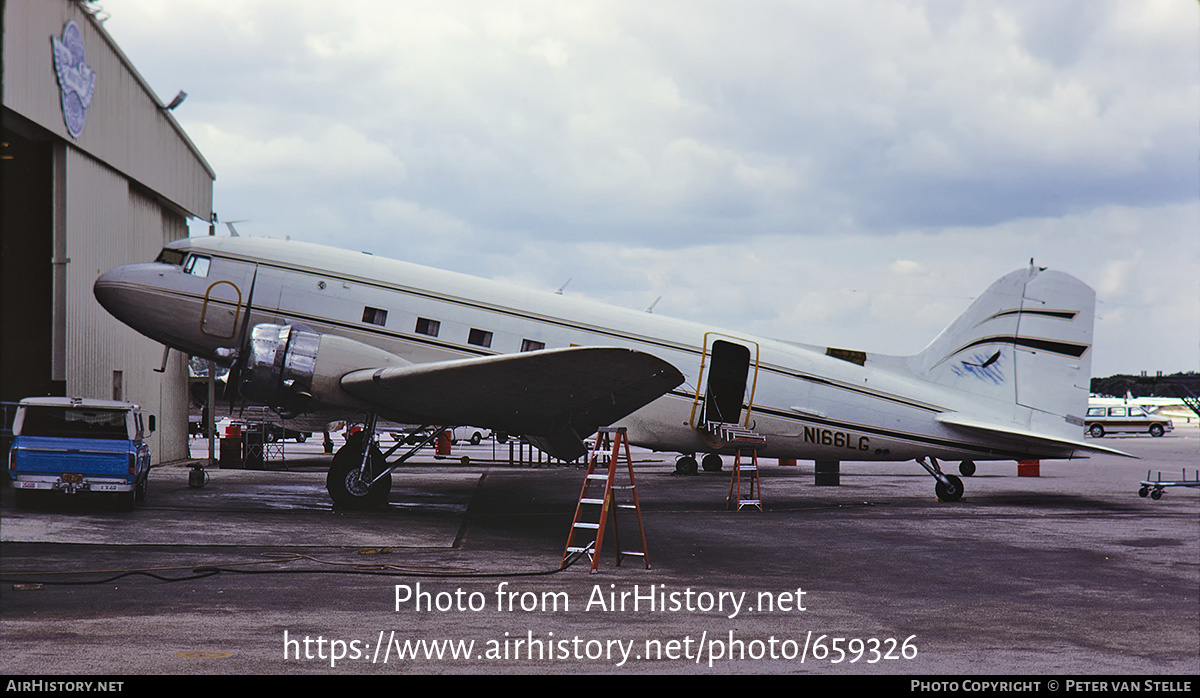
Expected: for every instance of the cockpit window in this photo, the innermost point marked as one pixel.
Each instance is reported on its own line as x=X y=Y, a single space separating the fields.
x=169 y=256
x=197 y=265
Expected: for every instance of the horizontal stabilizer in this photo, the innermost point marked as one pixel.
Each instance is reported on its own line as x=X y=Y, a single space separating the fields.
x=960 y=420
x=560 y=394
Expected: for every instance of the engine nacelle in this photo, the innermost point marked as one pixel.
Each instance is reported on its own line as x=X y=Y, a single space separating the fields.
x=295 y=370
x=279 y=367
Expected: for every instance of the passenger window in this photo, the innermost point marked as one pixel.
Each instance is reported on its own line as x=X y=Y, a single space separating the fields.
x=197 y=265
x=1095 y=412
x=428 y=327
x=374 y=316
x=1116 y=412
x=532 y=345
x=480 y=338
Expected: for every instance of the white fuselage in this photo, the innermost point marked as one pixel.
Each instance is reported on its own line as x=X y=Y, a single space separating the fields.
x=805 y=403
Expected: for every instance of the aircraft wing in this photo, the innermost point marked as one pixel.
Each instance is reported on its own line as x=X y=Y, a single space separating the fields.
x=559 y=395
x=960 y=420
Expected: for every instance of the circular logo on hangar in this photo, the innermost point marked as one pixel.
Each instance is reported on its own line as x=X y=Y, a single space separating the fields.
x=76 y=81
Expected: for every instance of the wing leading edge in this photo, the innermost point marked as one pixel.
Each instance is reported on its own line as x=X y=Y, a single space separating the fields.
x=556 y=396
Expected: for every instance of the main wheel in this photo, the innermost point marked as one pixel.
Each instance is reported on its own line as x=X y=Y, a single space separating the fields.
x=347 y=486
x=712 y=463
x=685 y=466
x=951 y=491
x=1096 y=431
x=1156 y=430
x=967 y=468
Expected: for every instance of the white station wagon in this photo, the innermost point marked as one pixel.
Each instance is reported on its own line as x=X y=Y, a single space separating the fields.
x=1130 y=419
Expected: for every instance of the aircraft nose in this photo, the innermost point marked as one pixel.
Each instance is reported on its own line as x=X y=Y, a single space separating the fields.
x=123 y=291
x=107 y=290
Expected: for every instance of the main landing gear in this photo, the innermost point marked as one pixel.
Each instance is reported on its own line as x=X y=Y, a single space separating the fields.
x=949 y=488
x=687 y=464
x=361 y=478
x=356 y=481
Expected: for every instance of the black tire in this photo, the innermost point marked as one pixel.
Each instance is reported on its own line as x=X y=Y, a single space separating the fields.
x=142 y=488
x=1096 y=431
x=712 y=463
x=686 y=466
x=951 y=491
x=1156 y=430
x=127 y=501
x=344 y=484
x=301 y=437
x=1143 y=491
x=967 y=468
x=476 y=438
x=1156 y=494
x=24 y=499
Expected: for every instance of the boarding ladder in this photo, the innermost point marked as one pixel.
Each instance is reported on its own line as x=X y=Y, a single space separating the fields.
x=745 y=489
x=592 y=513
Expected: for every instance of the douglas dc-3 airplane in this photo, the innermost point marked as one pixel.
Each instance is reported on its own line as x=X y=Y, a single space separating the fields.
x=308 y=329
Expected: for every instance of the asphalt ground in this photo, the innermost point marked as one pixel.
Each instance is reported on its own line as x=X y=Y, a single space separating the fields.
x=1068 y=574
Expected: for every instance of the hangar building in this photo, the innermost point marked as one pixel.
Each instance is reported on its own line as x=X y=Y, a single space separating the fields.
x=95 y=172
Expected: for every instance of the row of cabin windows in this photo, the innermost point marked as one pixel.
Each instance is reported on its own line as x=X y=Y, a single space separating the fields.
x=430 y=328
x=198 y=265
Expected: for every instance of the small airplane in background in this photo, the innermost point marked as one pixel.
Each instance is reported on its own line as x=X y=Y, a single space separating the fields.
x=311 y=329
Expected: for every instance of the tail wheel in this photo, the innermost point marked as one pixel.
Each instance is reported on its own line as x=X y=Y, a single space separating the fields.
x=949 y=491
x=349 y=487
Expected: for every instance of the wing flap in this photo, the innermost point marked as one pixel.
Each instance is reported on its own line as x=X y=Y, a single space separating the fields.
x=560 y=394
x=960 y=420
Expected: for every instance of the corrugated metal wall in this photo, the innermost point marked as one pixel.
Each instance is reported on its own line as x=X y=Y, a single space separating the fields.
x=109 y=223
x=120 y=191
x=125 y=126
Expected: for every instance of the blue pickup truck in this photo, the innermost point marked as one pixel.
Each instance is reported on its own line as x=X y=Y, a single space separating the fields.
x=76 y=445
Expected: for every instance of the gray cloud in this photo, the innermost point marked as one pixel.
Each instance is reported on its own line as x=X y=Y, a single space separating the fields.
x=779 y=152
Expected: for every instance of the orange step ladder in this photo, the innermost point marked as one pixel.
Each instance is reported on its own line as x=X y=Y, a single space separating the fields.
x=753 y=488
x=592 y=514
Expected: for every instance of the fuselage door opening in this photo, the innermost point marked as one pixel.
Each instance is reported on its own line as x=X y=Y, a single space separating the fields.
x=728 y=376
x=222 y=309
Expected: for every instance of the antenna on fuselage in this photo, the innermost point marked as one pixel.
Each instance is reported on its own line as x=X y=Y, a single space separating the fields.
x=560 y=288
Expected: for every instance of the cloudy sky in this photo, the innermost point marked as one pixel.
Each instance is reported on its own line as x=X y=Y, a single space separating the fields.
x=848 y=174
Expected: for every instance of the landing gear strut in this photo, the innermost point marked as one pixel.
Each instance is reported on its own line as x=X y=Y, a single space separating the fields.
x=359 y=477
x=948 y=487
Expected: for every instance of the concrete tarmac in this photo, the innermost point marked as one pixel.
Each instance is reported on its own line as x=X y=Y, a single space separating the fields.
x=1066 y=574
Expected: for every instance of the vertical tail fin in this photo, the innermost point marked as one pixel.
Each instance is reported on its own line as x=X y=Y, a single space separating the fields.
x=1022 y=350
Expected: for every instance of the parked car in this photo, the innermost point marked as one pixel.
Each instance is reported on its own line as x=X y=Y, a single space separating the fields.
x=473 y=434
x=77 y=445
x=1129 y=419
